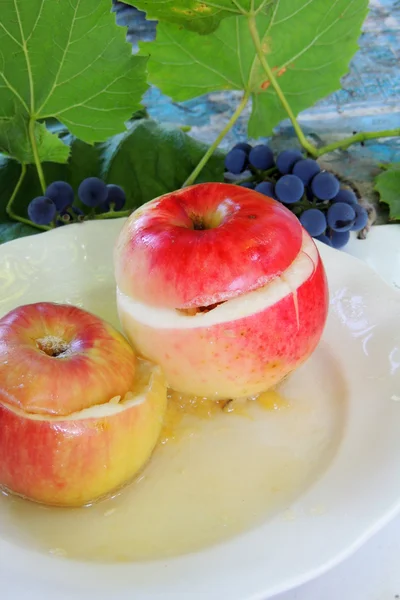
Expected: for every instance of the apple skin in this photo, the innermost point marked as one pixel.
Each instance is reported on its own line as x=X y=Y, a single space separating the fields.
x=237 y=358
x=99 y=364
x=162 y=259
x=77 y=426
x=75 y=461
x=230 y=351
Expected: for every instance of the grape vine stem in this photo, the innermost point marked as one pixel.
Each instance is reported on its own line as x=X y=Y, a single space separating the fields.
x=113 y=214
x=194 y=174
x=9 y=204
x=38 y=164
x=310 y=148
x=357 y=138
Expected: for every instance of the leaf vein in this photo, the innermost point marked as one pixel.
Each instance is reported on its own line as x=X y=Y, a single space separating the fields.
x=315 y=39
x=196 y=61
x=36 y=22
x=96 y=59
x=10 y=35
x=53 y=87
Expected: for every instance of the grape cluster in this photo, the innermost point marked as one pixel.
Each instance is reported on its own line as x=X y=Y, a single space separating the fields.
x=57 y=203
x=325 y=209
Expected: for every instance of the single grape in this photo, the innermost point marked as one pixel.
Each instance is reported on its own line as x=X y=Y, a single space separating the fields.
x=341 y=216
x=116 y=196
x=248 y=184
x=261 y=157
x=361 y=218
x=313 y=221
x=306 y=169
x=61 y=193
x=286 y=160
x=242 y=146
x=346 y=196
x=42 y=210
x=289 y=189
x=236 y=161
x=266 y=188
x=339 y=238
x=325 y=186
x=92 y=191
x=324 y=239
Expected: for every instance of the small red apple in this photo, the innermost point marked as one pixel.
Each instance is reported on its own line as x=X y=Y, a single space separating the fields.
x=222 y=287
x=74 y=424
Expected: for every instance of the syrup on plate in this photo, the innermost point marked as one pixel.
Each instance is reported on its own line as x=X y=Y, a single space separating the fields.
x=219 y=469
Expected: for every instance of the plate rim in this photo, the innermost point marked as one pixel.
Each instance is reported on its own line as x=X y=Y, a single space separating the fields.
x=363 y=537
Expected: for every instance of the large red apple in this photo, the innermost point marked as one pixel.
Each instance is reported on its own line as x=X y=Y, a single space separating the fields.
x=78 y=415
x=222 y=287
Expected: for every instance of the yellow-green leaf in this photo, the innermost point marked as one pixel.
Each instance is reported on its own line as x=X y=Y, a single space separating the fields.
x=197 y=15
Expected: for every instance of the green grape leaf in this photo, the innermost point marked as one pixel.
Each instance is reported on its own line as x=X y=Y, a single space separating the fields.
x=202 y=17
x=150 y=160
x=67 y=60
x=11 y=231
x=14 y=141
x=387 y=184
x=308 y=45
x=147 y=161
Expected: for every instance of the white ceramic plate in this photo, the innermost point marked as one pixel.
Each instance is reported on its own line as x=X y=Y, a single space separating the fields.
x=358 y=492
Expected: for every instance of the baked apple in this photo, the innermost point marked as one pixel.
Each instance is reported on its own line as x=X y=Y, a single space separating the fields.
x=222 y=287
x=78 y=416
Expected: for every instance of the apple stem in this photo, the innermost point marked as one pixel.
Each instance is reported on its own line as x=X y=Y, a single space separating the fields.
x=9 y=209
x=194 y=174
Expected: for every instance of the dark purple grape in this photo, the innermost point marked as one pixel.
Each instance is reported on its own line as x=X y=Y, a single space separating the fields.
x=313 y=221
x=341 y=216
x=361 y=218
x=248 y=184
x=266 y=188
x=286 y=160
x=339 y=238
x=242 y=146
x=261 y=157
x=324 y=239
x=92 y=191
x=116 y=196
x=325 y=186
x=346 y=196
x=306 y=169
x=289 y=189
x=42 y=210
x=61 y=193
x=236 y=161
